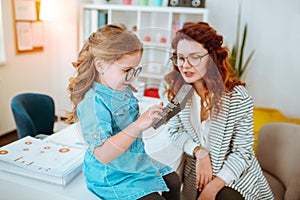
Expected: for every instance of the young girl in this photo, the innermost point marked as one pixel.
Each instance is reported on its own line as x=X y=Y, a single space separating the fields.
x=215 y=130
x=116 y=165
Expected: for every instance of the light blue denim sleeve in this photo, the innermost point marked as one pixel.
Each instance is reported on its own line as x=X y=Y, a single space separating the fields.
x=95 y=121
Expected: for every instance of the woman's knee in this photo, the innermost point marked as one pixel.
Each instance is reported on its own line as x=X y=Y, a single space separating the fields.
x=152 y=196
x=228 y=193
x=172 y=180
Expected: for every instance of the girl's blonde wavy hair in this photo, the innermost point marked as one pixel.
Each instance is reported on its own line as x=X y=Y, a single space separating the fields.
x=109 y=43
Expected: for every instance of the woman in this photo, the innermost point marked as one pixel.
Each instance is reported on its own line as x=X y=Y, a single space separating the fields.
x=215 y=129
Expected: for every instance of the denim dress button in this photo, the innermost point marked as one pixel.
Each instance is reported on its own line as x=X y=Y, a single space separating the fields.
x=95 y=135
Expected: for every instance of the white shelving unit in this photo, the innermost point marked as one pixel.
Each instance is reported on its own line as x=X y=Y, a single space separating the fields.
x=155 y=26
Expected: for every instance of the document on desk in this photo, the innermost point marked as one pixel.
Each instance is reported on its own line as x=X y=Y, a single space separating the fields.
x=43 y=160
x=69 y=136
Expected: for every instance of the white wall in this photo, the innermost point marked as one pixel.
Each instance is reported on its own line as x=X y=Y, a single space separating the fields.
x=45 y=72
x=273 y=77
x=274 y=33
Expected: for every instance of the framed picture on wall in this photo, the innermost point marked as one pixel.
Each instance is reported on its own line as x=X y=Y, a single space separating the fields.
x=29 y=29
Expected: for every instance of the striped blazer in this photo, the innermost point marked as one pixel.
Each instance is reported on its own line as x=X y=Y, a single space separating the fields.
x=231 y=142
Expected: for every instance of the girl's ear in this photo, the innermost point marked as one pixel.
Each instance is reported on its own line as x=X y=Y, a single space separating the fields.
x=100 y=66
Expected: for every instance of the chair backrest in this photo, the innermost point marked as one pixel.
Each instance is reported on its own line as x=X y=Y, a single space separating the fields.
x=33 y=113
x=278 y=150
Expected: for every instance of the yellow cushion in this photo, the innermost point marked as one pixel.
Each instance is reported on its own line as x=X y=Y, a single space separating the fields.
x=262 y=116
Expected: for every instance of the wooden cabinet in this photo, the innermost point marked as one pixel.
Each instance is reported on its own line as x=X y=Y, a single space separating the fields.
x=155 y=26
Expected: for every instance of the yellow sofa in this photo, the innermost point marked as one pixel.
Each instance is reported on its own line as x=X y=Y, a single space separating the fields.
x=263 y=116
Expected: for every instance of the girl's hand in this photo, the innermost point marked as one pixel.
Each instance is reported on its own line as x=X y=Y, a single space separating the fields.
x=147 y=118
x=203 y=169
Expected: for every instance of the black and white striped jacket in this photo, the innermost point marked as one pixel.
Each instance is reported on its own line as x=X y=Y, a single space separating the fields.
x=231 y=142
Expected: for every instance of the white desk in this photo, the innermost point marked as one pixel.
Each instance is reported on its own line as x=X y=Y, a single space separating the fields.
x=14 y=187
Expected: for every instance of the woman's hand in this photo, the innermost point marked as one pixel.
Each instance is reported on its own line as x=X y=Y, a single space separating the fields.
x=208 y=193
x=212 y=188
x=147 y=118
x=203 y=169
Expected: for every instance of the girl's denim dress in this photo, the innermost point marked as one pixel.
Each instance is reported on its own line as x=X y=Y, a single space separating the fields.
x=105 y=112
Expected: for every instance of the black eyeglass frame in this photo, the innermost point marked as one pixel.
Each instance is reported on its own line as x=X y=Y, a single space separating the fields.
x=133 y=73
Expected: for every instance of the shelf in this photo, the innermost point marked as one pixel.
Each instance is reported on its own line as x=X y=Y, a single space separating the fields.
x=157 y=45
x=155 y=27
x=152 y=76
x=135 y=8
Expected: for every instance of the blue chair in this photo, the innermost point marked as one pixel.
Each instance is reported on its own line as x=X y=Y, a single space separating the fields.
x=34 y=114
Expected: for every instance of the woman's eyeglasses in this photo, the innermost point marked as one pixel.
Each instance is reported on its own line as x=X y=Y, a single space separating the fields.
x=131 y=73
x=193 y=59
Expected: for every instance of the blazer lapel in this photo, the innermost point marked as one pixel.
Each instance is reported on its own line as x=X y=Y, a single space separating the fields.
x=185 y=117
x=217 y=130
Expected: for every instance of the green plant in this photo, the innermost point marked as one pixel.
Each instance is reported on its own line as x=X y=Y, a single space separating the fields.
x=236 y=57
